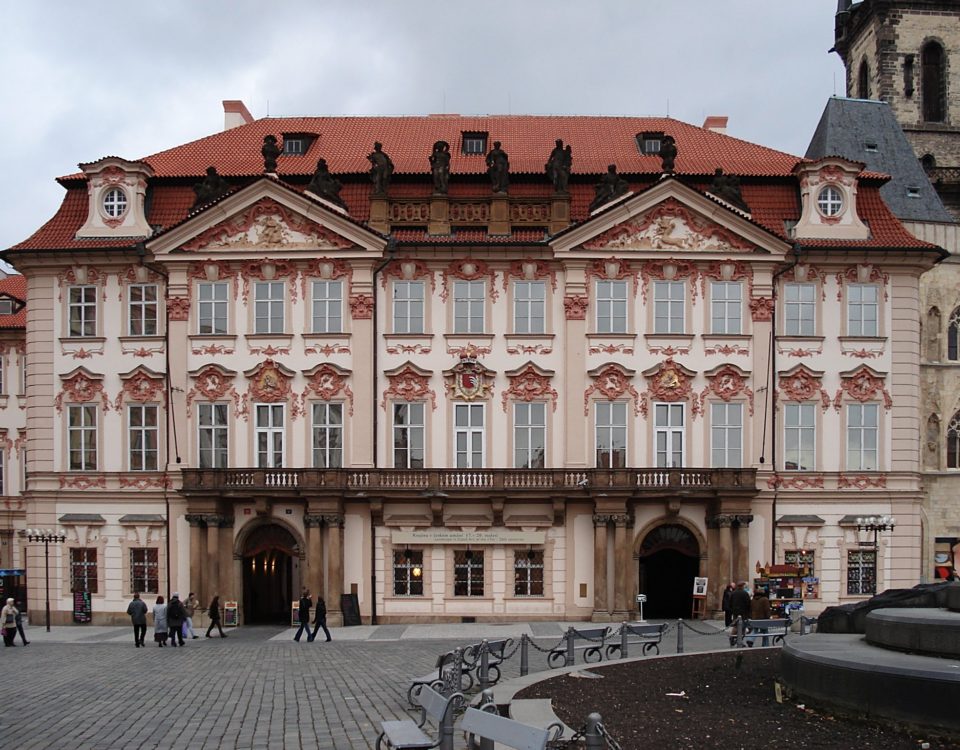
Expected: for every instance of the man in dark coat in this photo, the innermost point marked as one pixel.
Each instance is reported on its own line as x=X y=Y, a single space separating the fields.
x=739 y=605
x=137 y=609
x=176 y=614
x=306 y=604
x=319 y=621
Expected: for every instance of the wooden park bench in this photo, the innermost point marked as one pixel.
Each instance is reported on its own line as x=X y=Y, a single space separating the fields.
x=406 y=733
x=770 y=631
x=594 y=640
x=489 y=727
x=639 y=634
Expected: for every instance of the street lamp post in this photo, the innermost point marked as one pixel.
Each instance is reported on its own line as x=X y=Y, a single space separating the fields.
x=876 y=524
x=48 y=537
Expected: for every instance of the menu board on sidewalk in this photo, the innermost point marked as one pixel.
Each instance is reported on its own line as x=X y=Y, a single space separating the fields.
x=230 y=614
x=82 y=607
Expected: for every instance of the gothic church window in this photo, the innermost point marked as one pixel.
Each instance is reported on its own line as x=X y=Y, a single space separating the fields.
x=953 y=335
x=933 y=82
x=863 y=81
x=953 y=443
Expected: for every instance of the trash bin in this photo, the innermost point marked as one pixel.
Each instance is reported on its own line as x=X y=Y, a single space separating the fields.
x=795 y=613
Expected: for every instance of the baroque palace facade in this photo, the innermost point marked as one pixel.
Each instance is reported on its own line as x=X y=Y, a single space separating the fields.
x=473 y=386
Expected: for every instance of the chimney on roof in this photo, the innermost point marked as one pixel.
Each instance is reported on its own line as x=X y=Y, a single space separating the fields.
x=235 y=114
x=716 y=123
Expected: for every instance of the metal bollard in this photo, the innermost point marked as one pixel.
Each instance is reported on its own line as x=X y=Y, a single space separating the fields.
x=484 y=676
x=591 y=733
x=571 y=656
x=679 y=636
x=524 y=656
x=487 y=704
x=623 y=640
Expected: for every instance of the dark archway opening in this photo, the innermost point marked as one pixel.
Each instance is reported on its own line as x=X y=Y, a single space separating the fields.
x=669 y=561
x=268 y=575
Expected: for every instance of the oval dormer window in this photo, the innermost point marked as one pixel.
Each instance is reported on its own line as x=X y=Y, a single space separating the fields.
x=830 y=201
x=115 y=203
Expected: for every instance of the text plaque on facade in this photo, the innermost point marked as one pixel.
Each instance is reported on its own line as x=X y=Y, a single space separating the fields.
x=454 y=536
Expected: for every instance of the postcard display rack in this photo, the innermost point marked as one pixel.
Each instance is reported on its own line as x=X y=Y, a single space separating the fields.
x=787 y=586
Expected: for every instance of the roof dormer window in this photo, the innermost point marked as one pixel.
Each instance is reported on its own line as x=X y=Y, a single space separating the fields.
x=649 y=143
x=830 y=201
x=6 y=306
x=870 y=147
x=474 y=144
x=297 y=144
x=913 y=192
x=115 y=203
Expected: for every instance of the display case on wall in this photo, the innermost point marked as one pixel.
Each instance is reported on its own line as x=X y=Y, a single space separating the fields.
x=786 y=585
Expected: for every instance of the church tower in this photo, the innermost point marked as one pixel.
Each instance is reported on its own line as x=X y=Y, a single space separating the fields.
x=907 y=53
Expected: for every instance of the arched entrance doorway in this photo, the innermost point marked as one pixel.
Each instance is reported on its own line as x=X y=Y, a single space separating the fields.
x=669 y=561
x=268 y=575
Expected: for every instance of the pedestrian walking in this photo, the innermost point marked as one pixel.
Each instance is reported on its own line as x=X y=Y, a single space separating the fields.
x=190 y=607
x=739 y=606
x=160 y=622
x=725 y=603
x=137 y=609
x=215 y=616
x=319 y=621
x=19 y=621
x=306 y=604
x=8 y=618
x=176 y=614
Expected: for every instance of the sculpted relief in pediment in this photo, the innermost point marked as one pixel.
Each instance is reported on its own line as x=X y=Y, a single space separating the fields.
x=670 y=226
x=268 y=224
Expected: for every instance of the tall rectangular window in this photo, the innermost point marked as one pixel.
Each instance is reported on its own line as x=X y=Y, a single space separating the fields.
x=726 y=435
x=268 y=306
x=408 y=306
x=861 y=572
x=82 y=438
x=3 y=475
x=82 y=306
x=725 y=307
x=668 y=430
x=668 y=306
x=799 y=437
x=862 y=302
x=212 y=307
x=801 y=558
x=83 y=569
x=799 y=309
x=469 y=298
x=144 y=570
x=327 y=436
x=142 y=434
x=468 y=435
x=529 y=305
x=408 y=435
x=467 y=572
x=213 y=434
x=142 y=310
x=408 y=572
x=528 y=572
x=529 y=435
x=611 y=307
x=862 y=430
x=327 y=307
x=611 y=434
x=269 y=435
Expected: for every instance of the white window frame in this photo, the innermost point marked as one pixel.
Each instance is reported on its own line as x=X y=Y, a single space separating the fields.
x=268 y=433
x=726 y=435
x=799 y=422
x=799 y=308
x=859 y=321
x=408 y=306
x=467 y=432
x=610 y=431
x=830 y=201
x=863 y=431
x=669 y=307
x=327 y=306
x=409 y=436
x=529 y=307
x=327 y=417
x=268 y=307
x=525 y=565
x=143 y=311
x=115 y=203
x=469 y=306
x=612 y=312
x=669 y=434
x=529 y=434
x=82 y=300
x=726 y=308
x=213 y=435
x=143 y=438
x=213 y=308
x=82 y=424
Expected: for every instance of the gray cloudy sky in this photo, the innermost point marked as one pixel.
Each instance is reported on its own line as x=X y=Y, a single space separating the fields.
x=82 y=80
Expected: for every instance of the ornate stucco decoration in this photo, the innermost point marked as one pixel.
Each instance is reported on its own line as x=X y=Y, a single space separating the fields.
x=408 y=269
x=575 y=306
x=326 y=269
x=862 y=273
x=212 y=270
x=268 y=224
x=268 y=270
x=80 y=386
x=862 y=384
x=141 y=385
x=361 y=306
x=530 y=269
x=81 y=276
x=213 y=383
x=469 y=380
x=670 y=225
x=669 y=381
x=138 y=275
x=613 y=269
x=669 y=270
x=469 y=269
x=178 y=308
x=861 y=482
x=804 y=273
x=269 y=384
x=761 y=309
x=790 y=482
x=530 y=383
x=727 y=270
x=803 y=384
x=612 y=381
x=326 y=382
x=409 y=383
x=727 y=382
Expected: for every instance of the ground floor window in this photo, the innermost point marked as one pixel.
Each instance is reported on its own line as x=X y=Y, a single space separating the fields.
x=528 y=572
x=408 y=572
x=467 y=573
x=861 y=572
x=144 y=569
x=801 y=558
x=83 y=569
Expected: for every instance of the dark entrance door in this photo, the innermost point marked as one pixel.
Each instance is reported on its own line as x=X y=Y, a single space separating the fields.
x=669 y=561
x=268 y=575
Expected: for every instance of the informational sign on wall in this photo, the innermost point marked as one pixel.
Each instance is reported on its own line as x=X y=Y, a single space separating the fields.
x=230 y=614
x=455 y=536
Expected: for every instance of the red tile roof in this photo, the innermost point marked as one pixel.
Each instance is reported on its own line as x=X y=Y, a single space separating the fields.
x=15 y=286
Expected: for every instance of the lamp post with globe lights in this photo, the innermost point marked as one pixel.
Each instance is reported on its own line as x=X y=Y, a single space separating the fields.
x=875 y=524
x=47 y=537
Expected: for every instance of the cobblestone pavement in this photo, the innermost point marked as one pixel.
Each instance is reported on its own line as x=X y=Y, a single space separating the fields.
x=84 y=687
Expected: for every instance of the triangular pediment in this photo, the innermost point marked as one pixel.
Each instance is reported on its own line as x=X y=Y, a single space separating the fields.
x=670 y=218
x=268 y=217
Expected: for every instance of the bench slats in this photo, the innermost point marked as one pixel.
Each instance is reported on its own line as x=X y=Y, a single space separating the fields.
x=405 y=733
x=505 y=731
